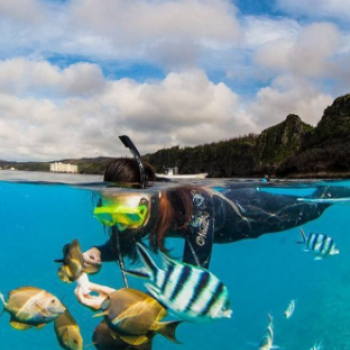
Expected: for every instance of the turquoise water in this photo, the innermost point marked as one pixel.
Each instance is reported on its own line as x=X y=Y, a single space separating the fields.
x=262 y=275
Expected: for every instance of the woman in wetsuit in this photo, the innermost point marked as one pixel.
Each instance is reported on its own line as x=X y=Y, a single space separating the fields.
x=199 y=215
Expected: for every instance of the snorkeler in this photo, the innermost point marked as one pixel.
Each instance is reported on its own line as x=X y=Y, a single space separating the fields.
x=199 y=215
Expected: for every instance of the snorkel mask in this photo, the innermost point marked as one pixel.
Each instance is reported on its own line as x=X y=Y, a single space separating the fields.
x=125 y=210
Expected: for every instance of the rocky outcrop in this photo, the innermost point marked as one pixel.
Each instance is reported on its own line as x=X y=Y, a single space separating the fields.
x=325 y=151
x=279 y=142
x=334 y=126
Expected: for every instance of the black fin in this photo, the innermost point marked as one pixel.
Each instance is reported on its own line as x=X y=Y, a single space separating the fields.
x=137 y=273
x=59 y=260
x=150 y=264
x=303 y=235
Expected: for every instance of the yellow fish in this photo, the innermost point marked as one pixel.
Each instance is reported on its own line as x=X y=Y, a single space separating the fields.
x=68 y=332
x=132 y=315
x=31 y=306
x=103 y=340
x=73 y=263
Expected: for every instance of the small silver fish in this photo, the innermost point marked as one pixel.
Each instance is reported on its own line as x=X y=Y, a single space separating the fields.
x=290 y=309
x=266 y=341
x=319 y=244
x=189 y=292
x=317 y=346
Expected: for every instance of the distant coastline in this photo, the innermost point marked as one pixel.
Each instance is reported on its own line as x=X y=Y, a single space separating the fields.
x=291 y=149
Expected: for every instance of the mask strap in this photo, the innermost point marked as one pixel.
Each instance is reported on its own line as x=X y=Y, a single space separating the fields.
x=129 y=144
x=120 y=257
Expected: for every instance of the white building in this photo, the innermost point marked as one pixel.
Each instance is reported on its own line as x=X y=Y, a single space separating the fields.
x=59 y=167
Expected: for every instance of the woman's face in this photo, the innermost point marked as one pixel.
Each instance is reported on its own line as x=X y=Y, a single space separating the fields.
x=124 y=209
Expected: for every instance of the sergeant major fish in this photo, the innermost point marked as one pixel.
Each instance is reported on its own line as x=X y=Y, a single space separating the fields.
x=190 y=292
x=31 y=306
x=319 y=244
x=290 y=309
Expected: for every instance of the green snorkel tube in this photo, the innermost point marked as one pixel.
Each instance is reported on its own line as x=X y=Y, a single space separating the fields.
x=129 y=144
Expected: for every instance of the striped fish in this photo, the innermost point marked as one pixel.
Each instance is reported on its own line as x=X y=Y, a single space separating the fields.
x=266 y=341
x=189 y=292
x=319 y=244
x=290 y=309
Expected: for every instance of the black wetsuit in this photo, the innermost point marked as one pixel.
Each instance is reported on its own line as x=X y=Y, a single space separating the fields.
x=235 y=214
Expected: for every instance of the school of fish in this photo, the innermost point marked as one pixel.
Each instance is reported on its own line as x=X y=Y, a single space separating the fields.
x=133 y=318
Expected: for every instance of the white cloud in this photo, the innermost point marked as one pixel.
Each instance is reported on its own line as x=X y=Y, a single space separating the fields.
x=48 y=112
x=25 y=77
x=180 y=99
x=316 y=8
x=81 y=121
x=139 y=21
x=171 y=33
x=27 y=11
x=288 y=95
x=309 y=54
x=260 y=30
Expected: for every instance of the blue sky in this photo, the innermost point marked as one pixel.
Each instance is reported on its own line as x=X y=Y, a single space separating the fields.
x=76 y=74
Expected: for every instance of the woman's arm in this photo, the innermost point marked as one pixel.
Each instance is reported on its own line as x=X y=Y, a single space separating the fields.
x=199 y=236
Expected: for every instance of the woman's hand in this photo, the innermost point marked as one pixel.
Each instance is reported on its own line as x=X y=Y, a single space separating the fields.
x=92 y=301
x=92 y=260
x=85 y=288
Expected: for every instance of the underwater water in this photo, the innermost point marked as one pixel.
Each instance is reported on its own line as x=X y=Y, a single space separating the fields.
x=262 y=275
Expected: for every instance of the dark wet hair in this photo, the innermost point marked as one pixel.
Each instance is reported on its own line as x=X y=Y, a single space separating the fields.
x=169 y=218
x=175 y=211
x=127 y=170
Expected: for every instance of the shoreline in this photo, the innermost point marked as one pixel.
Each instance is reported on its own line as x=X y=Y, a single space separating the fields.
x=295 y=176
